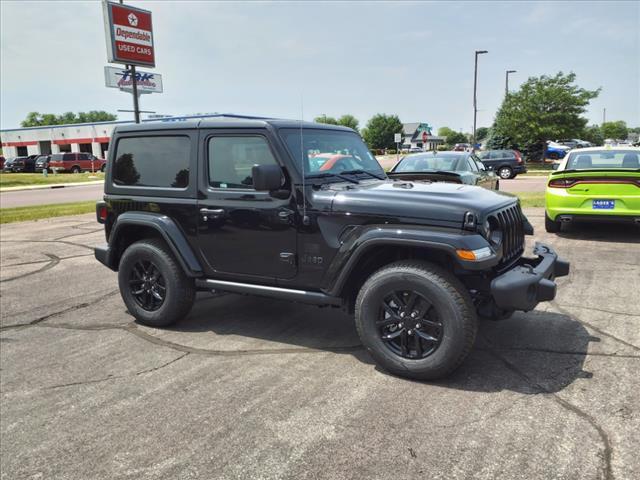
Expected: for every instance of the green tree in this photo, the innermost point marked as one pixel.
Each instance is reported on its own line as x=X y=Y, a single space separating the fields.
x=544 y=108
x=348 y=120
x=455 y=137
x=481 y=133
x=593 y=134
x=37 y=119
x=326 y=120
x=616 y=130
x=380 y=131
x=445 y=131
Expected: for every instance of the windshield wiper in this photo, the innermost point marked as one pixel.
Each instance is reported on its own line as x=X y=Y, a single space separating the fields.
x=330 y=174
x=355 y=172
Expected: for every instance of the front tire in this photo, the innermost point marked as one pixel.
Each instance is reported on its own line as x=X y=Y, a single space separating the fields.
x=505 y=173
x=416 y=320
x=153 y=286
x=76 y=170
x=551 y=226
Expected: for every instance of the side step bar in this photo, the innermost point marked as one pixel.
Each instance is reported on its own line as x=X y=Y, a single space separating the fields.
x=302 y=296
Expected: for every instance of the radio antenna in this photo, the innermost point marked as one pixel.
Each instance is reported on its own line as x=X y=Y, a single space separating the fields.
x=305 y=218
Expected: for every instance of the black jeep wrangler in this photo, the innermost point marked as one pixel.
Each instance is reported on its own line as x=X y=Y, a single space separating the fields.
x=304 y=212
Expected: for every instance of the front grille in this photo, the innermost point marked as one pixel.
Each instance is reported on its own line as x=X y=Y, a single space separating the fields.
x=511 y=223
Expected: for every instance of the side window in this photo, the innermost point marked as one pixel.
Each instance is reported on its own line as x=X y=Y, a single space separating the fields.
x=152 y=161
x=471 y=165
x=232 y=158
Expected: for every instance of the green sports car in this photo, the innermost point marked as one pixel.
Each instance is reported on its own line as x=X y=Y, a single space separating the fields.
x=594 y=184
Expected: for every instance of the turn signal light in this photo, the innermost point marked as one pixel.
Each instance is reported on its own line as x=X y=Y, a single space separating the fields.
x=474 y=255
x=561 y=182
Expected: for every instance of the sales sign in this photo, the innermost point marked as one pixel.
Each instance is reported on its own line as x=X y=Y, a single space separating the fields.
x=129 y=34
x=147 y=82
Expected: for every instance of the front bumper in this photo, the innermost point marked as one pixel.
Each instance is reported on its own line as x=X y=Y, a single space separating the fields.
x=530 y=281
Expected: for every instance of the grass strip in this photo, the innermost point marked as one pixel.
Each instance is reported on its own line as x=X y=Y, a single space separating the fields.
x=531 y=199
x=38 y=212
x=28 y=179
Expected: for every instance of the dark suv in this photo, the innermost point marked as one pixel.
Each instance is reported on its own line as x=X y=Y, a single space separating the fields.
x=506 y=163
x=24 y=164
x=246 y=206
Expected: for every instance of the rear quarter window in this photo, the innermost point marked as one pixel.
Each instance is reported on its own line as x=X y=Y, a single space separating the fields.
x=153 y=161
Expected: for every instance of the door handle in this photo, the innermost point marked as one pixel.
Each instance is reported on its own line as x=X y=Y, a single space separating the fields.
x=213 y=213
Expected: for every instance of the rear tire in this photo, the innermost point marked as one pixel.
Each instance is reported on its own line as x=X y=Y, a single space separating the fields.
x=168 y=300
x=427 y=331
x=103 y=168
x=505 y=173
x=551 y=226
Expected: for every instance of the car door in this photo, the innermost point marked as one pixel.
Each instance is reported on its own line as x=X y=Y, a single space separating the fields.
x=488 y=178
x=242 y=233
x=473 y=169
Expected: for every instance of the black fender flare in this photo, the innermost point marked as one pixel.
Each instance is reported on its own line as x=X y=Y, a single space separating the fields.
x=361 y=240
x=167 y=228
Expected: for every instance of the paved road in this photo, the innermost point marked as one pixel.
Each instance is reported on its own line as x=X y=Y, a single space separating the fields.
x=45 y=196
x=524 y=184
x=255 y=388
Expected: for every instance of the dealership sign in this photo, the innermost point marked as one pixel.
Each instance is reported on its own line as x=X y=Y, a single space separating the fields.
x=129 y=35
x=122 y=78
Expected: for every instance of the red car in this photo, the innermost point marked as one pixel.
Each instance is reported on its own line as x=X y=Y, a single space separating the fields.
x=76 y=162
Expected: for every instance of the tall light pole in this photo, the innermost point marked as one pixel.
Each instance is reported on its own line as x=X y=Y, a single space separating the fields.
x=475 y=101
x=506 y=81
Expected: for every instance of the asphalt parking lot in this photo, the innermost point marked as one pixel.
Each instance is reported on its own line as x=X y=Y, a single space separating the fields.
x=256 y=388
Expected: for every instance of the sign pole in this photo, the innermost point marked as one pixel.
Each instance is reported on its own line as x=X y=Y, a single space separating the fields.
x=136 y=106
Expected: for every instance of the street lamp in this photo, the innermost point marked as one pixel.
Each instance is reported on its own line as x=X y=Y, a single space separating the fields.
x=475 y=101
x=506 y=81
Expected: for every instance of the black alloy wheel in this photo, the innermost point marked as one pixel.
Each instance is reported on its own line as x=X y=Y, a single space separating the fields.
x=409 y=325
x=147 y=285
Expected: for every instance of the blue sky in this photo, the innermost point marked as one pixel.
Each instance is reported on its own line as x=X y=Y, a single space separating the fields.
x=414 y=59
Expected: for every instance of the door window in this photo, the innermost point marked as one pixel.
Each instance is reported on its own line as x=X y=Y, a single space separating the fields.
x=471 y=165
x=232 y=158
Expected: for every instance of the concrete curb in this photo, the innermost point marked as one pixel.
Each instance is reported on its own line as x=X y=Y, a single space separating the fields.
x=52 y=185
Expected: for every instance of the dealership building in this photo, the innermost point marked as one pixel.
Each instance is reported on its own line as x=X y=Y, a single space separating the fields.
x=79 y=137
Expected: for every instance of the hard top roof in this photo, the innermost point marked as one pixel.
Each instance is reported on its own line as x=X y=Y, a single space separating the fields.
x=227 y=122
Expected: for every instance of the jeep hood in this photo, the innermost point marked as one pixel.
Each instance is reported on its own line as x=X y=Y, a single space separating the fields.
x=438 y=202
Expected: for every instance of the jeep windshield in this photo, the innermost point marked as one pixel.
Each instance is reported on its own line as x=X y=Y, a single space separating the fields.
x=331 y=154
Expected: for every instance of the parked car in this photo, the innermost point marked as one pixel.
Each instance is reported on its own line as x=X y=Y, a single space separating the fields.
x=594 y=184
x=556 y=151
x=42 y=163
x=236 y=206
x=24 y=164
x=461 y=147
x=453 y=167
x=8 y=165
x=574 y=143
x=76 y=162
x=416 y=149
x=506 y=163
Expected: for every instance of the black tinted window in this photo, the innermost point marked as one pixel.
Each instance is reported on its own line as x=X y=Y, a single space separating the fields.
x=232 y=158
x=152 y=162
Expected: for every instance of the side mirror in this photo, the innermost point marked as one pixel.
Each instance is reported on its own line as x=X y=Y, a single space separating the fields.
x=555 y=166
x=267 y=178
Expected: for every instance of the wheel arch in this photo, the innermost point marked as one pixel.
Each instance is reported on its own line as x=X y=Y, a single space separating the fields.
x=131 y=227
x=380 y=246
